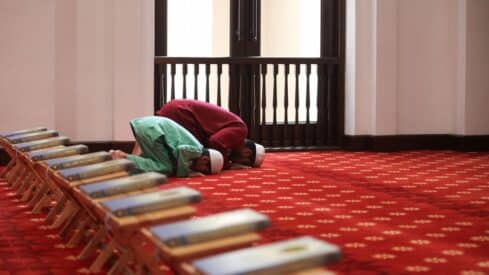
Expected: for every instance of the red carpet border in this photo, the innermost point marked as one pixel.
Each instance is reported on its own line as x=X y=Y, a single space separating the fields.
x=420 y=212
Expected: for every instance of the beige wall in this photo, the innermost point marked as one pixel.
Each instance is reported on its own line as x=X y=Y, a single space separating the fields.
x=477 y=67
x=93 y=97
x=427 y=66
x=83 y=67
x=417 y=67
x=26 y=64
x=133 y=53
x=65 y=47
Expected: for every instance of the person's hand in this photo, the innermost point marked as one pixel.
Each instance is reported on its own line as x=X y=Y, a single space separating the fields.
x=117 y=154
x=137 y=149
x=237 y=166
x=195 y=174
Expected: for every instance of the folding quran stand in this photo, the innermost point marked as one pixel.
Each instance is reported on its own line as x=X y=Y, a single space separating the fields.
x=11 y=164
x=33 y=185
x=182 y=241
x=69 y=214
x=49 y=171
x=176 y=257
x=9 y=147
x=47 y=193
x=22 y=176
x=121 y=231
x=35 y=194
x=43 y=194
x=298 y=256
x=188 y=269
x=15 y=169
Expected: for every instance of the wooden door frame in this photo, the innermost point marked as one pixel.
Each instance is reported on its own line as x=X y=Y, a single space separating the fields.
x=333 y=21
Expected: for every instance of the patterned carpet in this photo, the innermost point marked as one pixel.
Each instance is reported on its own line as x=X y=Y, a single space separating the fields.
x=421 y=212
x=25 y=246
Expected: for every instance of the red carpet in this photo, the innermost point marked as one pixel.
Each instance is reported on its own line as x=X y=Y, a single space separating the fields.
x=26 y=248
x=420 y=212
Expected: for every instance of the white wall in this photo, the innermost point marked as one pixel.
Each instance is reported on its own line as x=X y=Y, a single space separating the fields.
x=133 y=59
x=26 y=64
x=65 y=46
x=93 y=72
x=477 y=66
x=427 y=66
x=417 y=67
x=461 y=68
x=384 y=102
x=83 y=67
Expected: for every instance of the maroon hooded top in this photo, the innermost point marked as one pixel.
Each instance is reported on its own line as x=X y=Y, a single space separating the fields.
x=212 y=125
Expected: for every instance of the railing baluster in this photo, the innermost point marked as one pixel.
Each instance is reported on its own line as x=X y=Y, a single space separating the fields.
x=255 y=105
x=163 y=84
x=297 y=80
x=207 y=73
x=330 y=109
x=158 y=88
x=245 y=98
x=234 y=82
x=308 y=104
x=173 y=69
x=285 y=133
x=265 y=136
x=184 y=73
x=239 y=88
x=321 y=129
x=196 y=80
x=219 y=73
x=308 y=93
x=275 y=72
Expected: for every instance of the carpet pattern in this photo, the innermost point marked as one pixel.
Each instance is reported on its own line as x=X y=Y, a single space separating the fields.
x=419 y=212
x=26 y=247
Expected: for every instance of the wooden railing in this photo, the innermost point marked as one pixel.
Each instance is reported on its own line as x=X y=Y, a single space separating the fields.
x=286 y=102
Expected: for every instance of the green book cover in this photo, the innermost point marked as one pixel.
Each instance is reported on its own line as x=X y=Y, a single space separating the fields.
x=58 y=153
x=225 y=224
x=24 y=131
x=95 y=170
x=75 y=161
x=42 y=144
x=32 y=136
x=148 y=202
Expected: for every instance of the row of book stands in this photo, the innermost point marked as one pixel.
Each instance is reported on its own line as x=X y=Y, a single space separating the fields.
x=98 y=203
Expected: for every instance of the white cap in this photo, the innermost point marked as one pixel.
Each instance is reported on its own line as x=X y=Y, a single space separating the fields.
x=259 y=155
x=258 y=152
x=216 y=161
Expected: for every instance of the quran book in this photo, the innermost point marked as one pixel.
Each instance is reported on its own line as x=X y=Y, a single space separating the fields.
x=212 y=227
x=25 y=131
x=123 y=185
x=41 y=144
x=95 y=170
x=75 y=161
x=272 y=259
x=143 y=203
x=58 y=152
x=32 y=136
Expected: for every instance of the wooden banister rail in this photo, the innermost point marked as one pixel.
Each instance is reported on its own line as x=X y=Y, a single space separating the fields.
x=286 y=102
x=244 y=60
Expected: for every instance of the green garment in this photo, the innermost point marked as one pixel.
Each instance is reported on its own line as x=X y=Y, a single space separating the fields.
x=166 y=146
